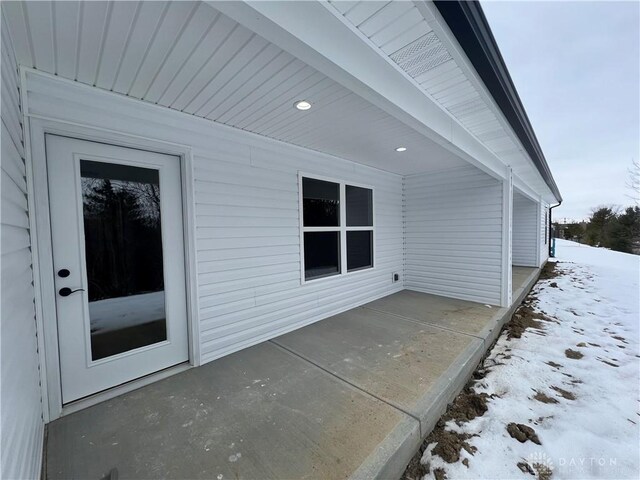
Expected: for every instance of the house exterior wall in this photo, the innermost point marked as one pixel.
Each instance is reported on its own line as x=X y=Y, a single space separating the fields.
x=246 y=216
x=454 y=234
x=525 y=238
x=21 y=414
x=544 y=233
x=248 y=247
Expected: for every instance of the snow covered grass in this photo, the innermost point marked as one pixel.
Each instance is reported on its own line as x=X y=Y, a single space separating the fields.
x=122 y=312
x=582 y=365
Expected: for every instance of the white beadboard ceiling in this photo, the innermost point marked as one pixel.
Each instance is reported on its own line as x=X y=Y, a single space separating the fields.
x=189 y=57
x=399 y=29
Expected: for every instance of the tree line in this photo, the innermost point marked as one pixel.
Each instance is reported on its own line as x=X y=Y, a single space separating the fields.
x=608 y=227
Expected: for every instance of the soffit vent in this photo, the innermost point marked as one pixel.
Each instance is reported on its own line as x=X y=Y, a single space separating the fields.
x=421 y=55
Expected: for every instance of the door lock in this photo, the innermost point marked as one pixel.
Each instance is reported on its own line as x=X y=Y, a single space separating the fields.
x=64 y=273
x=66 y=291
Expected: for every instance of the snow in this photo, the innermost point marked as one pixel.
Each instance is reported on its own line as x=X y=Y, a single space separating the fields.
x=597 y=434
x=122 y=312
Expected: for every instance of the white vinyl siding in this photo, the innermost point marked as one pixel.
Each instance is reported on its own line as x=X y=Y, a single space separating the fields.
x=247 y=217
x=454 y=234
x=21 y=416
x=525 y=236
x=249 y=250
x=544 y=233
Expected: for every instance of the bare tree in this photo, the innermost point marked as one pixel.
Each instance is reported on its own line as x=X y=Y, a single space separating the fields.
x=633 y=182
x=144 y=197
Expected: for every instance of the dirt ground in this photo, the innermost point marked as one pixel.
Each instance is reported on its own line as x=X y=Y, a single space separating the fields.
x=466 y=406
x=469 y=404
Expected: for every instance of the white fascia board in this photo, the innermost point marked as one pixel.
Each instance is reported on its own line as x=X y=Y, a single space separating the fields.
x=315 y=33
x=524 y=189
x=547 y=195
x=540 y=189
x=439 y=25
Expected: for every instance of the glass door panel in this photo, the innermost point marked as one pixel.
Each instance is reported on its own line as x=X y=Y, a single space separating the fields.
x=124 y=262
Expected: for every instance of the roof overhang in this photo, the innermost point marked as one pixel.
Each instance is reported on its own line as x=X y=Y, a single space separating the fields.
x=334 y=47
x=471 y=29
x=346 y=54
x=244 y=64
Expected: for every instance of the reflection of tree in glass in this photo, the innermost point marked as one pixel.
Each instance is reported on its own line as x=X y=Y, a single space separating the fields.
x=142 y=199
x=321 y=212
x=123 y=240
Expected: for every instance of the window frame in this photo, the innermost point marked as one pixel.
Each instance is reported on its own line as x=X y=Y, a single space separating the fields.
x=342 y=228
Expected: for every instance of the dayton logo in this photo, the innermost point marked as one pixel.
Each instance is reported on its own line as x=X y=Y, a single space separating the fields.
x=541 y=463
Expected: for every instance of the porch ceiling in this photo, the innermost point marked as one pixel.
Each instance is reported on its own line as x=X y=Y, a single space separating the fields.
x=415 y=37
x=190 y=57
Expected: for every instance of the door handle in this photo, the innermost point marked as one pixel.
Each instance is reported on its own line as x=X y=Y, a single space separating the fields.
x=66 y=291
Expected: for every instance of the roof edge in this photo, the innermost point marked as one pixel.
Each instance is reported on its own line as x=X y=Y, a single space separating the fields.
x=467 y=22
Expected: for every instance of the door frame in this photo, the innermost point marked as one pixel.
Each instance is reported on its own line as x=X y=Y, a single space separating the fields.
x=40 y=231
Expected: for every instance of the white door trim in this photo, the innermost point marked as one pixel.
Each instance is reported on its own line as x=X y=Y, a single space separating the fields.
x=40 y=231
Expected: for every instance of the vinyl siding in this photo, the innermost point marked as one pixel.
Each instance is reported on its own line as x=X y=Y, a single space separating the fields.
x=246 y=216
x=525 y=235
x=248 y=239
x=21 y=415
x=544 y=233
x=454 y=234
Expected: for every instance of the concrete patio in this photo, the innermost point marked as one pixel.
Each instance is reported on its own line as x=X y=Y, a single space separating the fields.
x=350 y=396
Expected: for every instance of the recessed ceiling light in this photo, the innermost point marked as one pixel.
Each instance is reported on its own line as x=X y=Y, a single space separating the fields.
x=401 y=149
x=302 y=105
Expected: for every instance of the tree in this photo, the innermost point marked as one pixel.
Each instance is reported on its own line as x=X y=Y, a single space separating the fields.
x=633 y=182
x=574 y=231
x=123 y=238
x=625 y=232
x=599 y=226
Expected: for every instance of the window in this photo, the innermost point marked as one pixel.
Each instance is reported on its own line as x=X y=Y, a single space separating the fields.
x=337 y=228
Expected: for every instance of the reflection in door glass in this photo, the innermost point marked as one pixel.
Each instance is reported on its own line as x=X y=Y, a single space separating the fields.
x=123 y=245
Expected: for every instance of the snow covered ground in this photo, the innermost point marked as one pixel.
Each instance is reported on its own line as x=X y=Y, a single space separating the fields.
x=122 y=312
x=582 y=364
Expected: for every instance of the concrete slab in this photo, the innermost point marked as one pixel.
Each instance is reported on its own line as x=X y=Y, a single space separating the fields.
x=456 y=315
x=259 y=413
x=405 y=363
x=521 y=277
x=350 y=396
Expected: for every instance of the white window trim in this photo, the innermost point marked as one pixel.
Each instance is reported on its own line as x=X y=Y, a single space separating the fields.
x=342 y=228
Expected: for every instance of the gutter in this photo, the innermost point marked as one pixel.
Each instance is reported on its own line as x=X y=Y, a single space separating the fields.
x=470 y=26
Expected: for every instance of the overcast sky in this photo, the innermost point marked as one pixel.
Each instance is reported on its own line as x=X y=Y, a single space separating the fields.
x=576 y=66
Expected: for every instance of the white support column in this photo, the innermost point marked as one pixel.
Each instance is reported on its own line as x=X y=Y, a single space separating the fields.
x=540 y=223
x=506 y=296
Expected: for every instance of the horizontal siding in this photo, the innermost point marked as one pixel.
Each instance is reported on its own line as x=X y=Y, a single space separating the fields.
x=544 y=233
x=525 y=236
x=453 y=234
x=247 y=218
x=249 y=248
x=21 y=415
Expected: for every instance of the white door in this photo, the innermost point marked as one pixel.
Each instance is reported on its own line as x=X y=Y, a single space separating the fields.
x=118 y=255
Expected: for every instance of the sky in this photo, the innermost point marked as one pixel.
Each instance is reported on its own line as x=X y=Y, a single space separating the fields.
x=576 y=66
